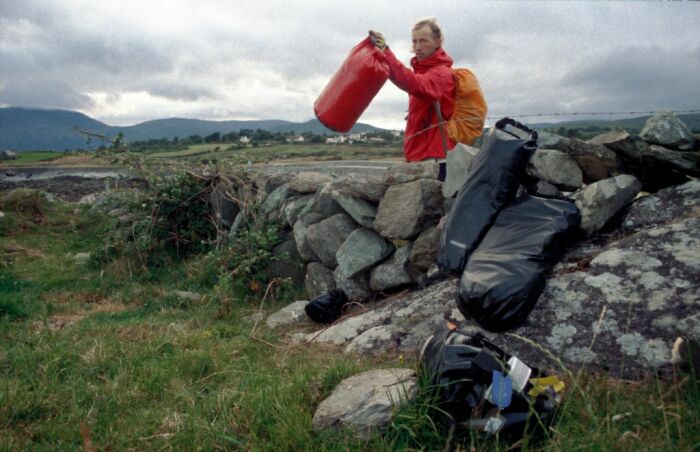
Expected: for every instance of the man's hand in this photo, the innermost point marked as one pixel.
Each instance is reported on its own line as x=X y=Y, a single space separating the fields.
x=378 y=40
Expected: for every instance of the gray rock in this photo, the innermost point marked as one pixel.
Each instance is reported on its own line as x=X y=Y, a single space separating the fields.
x=417 y=315
x=664 y=206
x=666 y=129
x=402 y=173
x=556 y=167
x=549 y=140
x=545 y=189
x=600 y=201
x=267 y=184
x=289 y=315
x=362 y=250
x=272 y=207
x=369 y=341
x=117 y=212
x=319 y=279
x=326 y=237
x=286 y=263
x=363 y=212
x=458 y=161
x=687 y=162
x=425 y=248
x=407 y=209
x=2 y=214
x=370 y=188
x=393 y=272
x=308 y=182
x=323 y=203
x=596 y=161
x=294 y=207
x=8 y=155
x=356 y=288
x=302 y=242
x=365 y=402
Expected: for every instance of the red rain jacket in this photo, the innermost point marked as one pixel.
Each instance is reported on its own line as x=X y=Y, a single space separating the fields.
x=431 y=80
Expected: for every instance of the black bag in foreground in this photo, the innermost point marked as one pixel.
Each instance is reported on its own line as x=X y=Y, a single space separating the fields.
x=506 y=273
x=467 y=373
x=494 y=177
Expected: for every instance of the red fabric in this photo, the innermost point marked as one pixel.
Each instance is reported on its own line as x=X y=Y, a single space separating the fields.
x=352 y=88
x=431 y=80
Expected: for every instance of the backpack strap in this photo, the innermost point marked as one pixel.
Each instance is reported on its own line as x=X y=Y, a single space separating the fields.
x=441 y=124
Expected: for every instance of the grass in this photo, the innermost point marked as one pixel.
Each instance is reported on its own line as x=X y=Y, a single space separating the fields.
x=100 y=356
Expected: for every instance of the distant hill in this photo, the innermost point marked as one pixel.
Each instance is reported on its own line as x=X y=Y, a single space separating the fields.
x=24 y=129
x=632 y=124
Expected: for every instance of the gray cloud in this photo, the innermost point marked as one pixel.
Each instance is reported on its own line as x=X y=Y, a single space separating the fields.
x=217 y=60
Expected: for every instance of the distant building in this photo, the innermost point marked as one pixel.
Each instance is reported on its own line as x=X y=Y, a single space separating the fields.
x=396 y=133
x=244 y=139
x=336 y=139
x=298 y=139
x=8 y=155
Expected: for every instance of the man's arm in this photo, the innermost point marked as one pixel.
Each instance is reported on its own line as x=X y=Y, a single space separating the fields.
x=430 y=85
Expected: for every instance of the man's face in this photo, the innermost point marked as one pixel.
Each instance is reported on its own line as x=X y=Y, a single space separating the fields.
x=424 y=44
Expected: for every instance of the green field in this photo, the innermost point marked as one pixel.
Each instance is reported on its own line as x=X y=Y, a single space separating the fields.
x=24 y=158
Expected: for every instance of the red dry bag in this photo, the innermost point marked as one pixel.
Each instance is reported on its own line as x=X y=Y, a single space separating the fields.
x=352 y=88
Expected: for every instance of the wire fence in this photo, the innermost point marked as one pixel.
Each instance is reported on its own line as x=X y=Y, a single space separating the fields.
x=477 y=120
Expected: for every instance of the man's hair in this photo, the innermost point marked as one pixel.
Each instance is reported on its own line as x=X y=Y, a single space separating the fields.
x=434 y=28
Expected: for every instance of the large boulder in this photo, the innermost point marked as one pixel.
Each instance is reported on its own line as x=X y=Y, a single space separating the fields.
x=600 y=201
x=457 y=169
x=393 y=272
x=300 y=238
x=289 y=315
x=326 y=237
x=319 y=279
x=356 y=288
x=596 y=161
x=322 y=203
x=684 y=162
x=667 y=130
x=407 y=209
x=363 y=212
x=556 y=167
x=294 y=207
x=362 y=250
x=402 y=173
x=364 y=403
x=425 y=248
x=549 y=140
x=308 y=182
x=663 y=206
x=273 y=206
x=368 y=187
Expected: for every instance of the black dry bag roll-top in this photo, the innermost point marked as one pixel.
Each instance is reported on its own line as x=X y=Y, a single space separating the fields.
x=494 y=177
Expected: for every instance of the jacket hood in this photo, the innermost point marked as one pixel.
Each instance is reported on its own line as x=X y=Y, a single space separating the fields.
x=439 y=58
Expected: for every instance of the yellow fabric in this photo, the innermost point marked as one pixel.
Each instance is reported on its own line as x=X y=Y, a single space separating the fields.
x=540 y=384
x=467 y=121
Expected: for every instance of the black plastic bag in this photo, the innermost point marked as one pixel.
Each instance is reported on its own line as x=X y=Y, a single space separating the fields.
x=506 y=273
x=327 y=307
x=459 y=369
x=494 y=177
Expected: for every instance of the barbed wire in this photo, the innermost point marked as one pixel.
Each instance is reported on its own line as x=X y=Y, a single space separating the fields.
x=477 y=119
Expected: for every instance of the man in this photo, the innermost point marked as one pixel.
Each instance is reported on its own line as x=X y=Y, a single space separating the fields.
x=429 y=85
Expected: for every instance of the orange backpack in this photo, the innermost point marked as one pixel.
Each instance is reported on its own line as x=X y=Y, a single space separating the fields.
x=469 y=116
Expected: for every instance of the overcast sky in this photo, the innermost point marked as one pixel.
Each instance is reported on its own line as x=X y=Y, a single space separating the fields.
x=130 y=61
